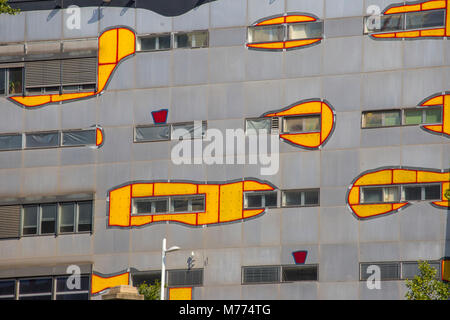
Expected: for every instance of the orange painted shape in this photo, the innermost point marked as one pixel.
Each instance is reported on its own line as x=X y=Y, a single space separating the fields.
x=434 y=4
x=447 y=22
x=174 y=188
x=32 y=101
x=353 y=196
x=180 y=293
x=384 y=35
x=433 y=33
x=127 y=43
x=141 y=220
x=309 y=140
x=267 y=45
x=120 y=206
x=99 y=137
x=445 y=270
x=104 y=73
x=381 y=177
x=186 y=218
x=403 y=9
x=408 y=34
x=443 y=204
x=446 y=115
x=107 y=47
x=300 y=43
x=327 y=122
x=277 y=20
x=404 y=176
x=142 y=190
x=397 y=206
x=299 y=18
x=251 y=185
x=371 y=210
x=436 y=101
x=427 y=176
x=99 y=283
x=252 y=213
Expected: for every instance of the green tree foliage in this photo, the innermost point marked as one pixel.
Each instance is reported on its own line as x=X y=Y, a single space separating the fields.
x=426 y=286
x=150 y=292
x=6 y=8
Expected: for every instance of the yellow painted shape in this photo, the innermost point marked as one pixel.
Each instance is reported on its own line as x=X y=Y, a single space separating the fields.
x=445 y=187
x=434 y=4
x=267 y=45
x=327 y=121
x=278 y=20
x=310 y=140
x=397 y=206
x=436 y=101
x=384 y=35
x=211 y=214
x=408 y=34
x=404 y=176
x=445 y=270
x=252 y=213
x=104 y=72
x=435 y=128
x=433 y=33
x=142 y=190
x=99 y=137
x=256 y=186
x=32 y=101
x=375 y=178
x=426 y=176
x=70 y=96
x=141 y=220
x=300 y=43
x=231 y=201
x=299 y=18
x=403 y=9
x=188 y=218
x=447 y=23
x=174 y=188
x=127 y=43
x=180 y=293
x=370 y=210
x=442 y=203
x=120 y=206
x=99 y=283
x=446 y=113
x=353 y=196
x=107 y=47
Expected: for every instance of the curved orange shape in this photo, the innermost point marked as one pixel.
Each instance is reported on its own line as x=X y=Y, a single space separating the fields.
x=418 y=7
x=99 y=137
x=288 y=44
x=392 y=177
x=309 y=140
x=100 y=283
x=223 y=202
x=439 y=100
x=113 y=46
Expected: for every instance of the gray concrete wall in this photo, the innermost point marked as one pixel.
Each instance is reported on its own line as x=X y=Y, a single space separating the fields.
x=224 y=84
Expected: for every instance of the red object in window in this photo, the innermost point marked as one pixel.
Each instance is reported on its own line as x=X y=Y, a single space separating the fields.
x=160 y=116
x=300 y=256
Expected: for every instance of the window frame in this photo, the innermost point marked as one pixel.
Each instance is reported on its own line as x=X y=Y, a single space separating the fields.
x=263 y=199
x=169 y=201
x=383 y=112
x=302 y=198
x=303 y=117
x=7 y=79
x=154 y=35
x=302 y=266
x=423 y=115
x=170 y=127
x=187 y=33
x=248 y=132
x=383 y=190
x=376 y=263
x=400 y=192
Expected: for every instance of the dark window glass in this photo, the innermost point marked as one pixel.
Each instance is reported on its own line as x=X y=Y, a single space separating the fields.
x=185 y=277
x=42 y=140
x=48 y=218
x=30 y=218
x=63 y=286
x=300 y=273
x=76 y=296
x=79 y=137
x=182 y=40
x=143 y=206
x=433 y=115
x=153 y=133
x=42 y=285
x=147 y=277
x=311 y=197
x=164 y=42
x=271 y=199
x=266 y=34
x=7 y=298
x=180 y=205
x=261 y=274
x=389 y=271
x=386 y=23
x=253 y=200
x=411 y=269
x=67 y=221
x=373 y=195
x=413 y=193
x=40 y=297
x=372 y=119
x=11 y=142
x=147 y=43
x=84 y=216
x=198 y=204
x=15 y=81
x=433 y=192
x=413 y=116
x=305 y=30
x=292 y=198
x=160 y=206
x=2 y=81
x=7 y=287
x=425 y=19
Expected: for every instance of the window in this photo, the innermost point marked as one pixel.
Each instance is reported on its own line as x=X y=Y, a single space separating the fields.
x=3 y=81
x=375 y=119
x=300 y=198
x=260 y=200
x=405 y=21
x=35 y=289
x=42 y=140
x=7 y=289
x=284 y=32
x=299 y=273
x=254 y=126
x=176 y=131
x=149 y=277
x=10 y=142
x=195 y=39
x=79 y=137
x=252 y=275
x=154 y=42
x=297 y=124
x=57 y=218
x=181 y=278
x=411 y=269
x=380 y=194
x=388 y=271
x=422 y=116
x=65 y=291
x=429 y=192
x=172 y=204
x=11 y=81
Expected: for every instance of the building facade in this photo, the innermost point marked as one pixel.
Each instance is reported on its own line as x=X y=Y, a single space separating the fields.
x=354 y=93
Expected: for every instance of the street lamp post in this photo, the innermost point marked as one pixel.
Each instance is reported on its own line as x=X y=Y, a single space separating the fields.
x=163 y=263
